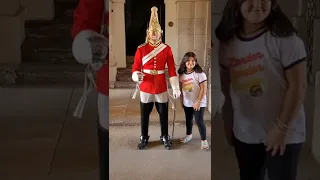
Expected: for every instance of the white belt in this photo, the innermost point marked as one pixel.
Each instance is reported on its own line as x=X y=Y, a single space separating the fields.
x=153 y=72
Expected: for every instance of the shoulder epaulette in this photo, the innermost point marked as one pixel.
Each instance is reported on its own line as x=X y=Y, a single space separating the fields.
x=167 y=45
x=141 y=45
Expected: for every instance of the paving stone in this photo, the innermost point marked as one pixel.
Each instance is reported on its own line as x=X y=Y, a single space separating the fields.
x=32 y=119
x=155 y=162
x=77 y=148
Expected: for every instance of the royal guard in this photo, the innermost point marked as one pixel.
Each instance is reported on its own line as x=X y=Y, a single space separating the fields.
x=148 y=72
x=90 y=46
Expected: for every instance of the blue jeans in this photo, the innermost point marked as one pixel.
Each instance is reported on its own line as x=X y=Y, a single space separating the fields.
x=253 y=160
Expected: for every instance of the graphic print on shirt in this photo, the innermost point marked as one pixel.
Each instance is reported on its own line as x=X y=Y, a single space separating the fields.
x=247 y=74
x=187 y=85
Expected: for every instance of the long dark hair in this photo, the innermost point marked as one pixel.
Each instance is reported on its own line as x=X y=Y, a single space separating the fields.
x=277 y=22
x=197 y=68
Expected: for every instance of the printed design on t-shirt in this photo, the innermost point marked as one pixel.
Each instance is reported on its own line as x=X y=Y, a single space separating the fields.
x=245 y=74
x=187 y=85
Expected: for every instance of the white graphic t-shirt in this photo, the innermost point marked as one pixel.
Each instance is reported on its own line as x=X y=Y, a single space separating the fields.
x=191 y=88
x=257 y=71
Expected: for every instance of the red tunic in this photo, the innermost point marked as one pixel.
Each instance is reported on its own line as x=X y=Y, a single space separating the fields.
x=154 y=84
x=88 y=16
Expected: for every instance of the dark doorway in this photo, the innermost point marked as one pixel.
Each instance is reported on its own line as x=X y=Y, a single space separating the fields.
x=137 y=16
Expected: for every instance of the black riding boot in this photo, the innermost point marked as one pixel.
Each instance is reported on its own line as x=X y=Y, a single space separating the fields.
x=145 y=109
x=166 y=140
x=163 y=109
x=103 y=136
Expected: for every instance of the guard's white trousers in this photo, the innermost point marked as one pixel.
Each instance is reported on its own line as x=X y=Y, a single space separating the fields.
x=103 y=110
x=160 y=98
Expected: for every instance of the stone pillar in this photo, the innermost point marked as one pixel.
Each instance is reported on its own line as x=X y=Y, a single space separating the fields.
x=316 y=121
x=117 y=38
x=192 y=18
x=38 y=9
x=186 y=30
x=117 y=27
x=11 y=35
x=172 y=27
x=202 y=32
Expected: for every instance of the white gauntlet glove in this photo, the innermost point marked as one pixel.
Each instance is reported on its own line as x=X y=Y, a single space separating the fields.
x=175 y=87
x=90 y=47
x=100 y=49
x=137 y=76
x=176 y=94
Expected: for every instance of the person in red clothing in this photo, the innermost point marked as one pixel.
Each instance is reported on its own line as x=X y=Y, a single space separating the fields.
x=90 y=46
x=148 y=72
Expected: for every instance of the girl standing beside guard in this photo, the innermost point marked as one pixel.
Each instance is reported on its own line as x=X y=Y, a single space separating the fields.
x=193 y=83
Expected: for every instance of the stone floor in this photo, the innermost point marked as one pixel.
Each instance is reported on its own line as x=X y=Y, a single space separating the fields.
x=40 y=139
x=41 y=136
x=183 y=162
x=125 y=110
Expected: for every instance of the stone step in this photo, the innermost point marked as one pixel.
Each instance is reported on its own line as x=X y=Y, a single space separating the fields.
x=123 y=85
x=63 y=15
x=50 y=29
x=48 y=49
x=124 y=75
x=50 y=41
x=44 y=74
x=46 y=52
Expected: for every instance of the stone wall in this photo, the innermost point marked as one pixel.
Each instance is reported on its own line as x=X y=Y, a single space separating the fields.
x=193 y=29
x=190 y=31
x=11 y=35
x=38 y=9
x=13 y=15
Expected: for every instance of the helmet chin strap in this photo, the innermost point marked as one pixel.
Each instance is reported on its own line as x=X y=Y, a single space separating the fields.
x=155 y=43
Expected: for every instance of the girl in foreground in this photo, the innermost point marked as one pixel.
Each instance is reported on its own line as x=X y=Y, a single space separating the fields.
x=263 y=78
